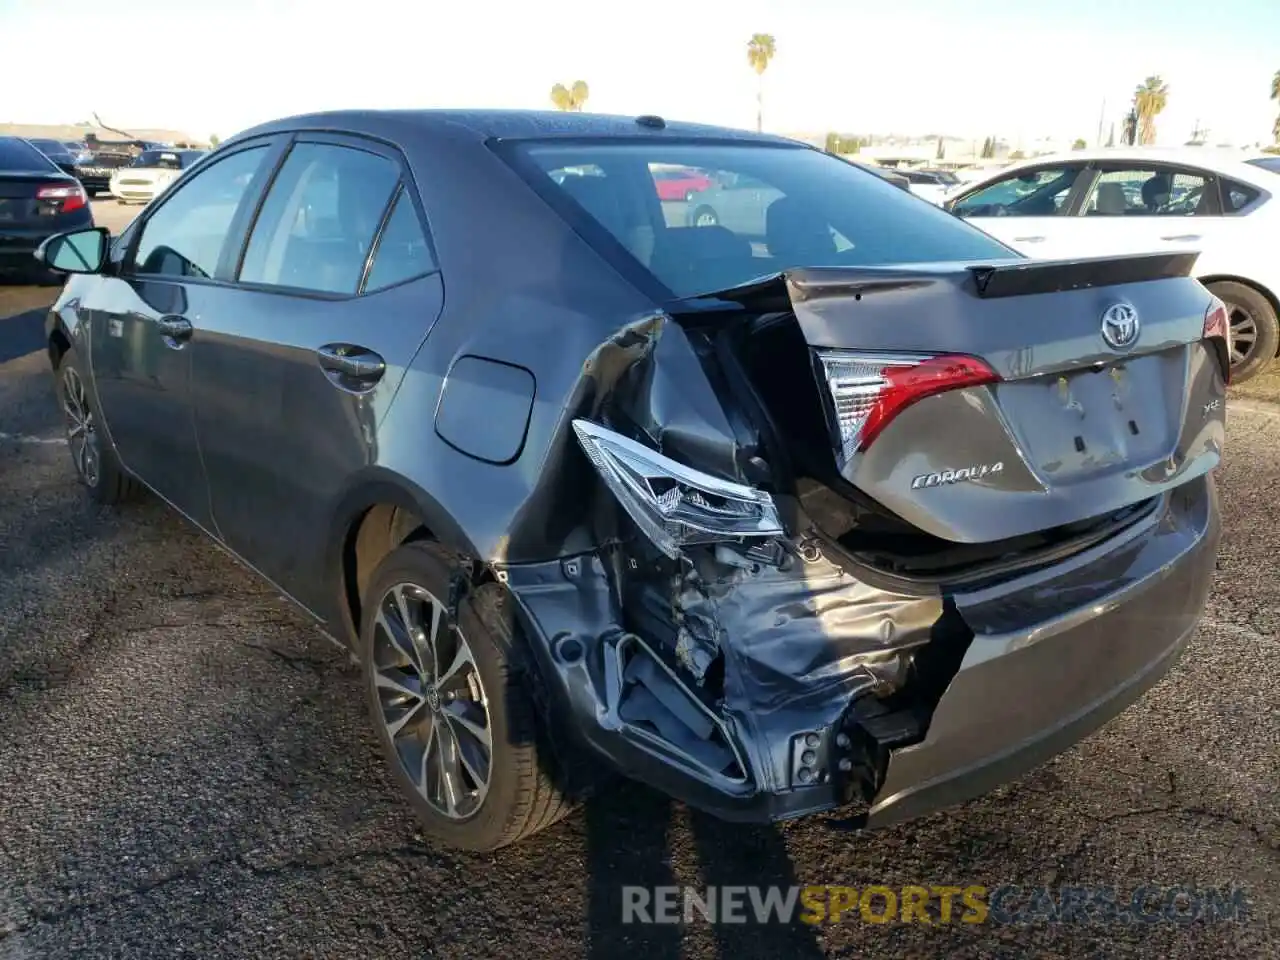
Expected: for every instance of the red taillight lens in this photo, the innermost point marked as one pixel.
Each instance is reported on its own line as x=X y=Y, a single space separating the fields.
x=869 y=390
x=72 y=196
x=1217 y=326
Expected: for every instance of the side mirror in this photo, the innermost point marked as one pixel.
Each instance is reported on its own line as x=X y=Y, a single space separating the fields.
x=79 y=251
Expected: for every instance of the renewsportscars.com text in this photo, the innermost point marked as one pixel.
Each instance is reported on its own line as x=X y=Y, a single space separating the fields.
x=934 y=904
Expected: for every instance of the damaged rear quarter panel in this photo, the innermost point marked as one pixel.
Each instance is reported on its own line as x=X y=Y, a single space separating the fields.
x=790 y=638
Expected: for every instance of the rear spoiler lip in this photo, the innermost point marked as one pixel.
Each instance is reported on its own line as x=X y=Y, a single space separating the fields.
x=1023 y=278
x=1015 y=277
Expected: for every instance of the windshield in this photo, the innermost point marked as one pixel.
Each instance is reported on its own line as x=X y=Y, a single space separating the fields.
x=17 y=154
x=163 y=159
x=758 y=209
x=1267 y=163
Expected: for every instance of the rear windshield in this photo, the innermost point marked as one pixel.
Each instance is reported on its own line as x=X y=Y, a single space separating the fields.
x=15 y=154
x=748 y=211
x=1267 y=163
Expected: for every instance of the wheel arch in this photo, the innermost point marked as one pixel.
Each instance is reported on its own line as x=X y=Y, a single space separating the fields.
x=380 y=511
x=58 y=345
x=1272 y=298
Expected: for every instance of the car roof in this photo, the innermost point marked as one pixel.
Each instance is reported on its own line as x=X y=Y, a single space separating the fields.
x=508 y=125
x=1221 y=160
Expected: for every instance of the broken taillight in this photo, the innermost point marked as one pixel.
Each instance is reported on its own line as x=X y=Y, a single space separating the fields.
x=869 y=389
x=1217 y=326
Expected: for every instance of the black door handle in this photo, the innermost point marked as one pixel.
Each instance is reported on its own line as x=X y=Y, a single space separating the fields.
x=175 y=328
x=351 y=367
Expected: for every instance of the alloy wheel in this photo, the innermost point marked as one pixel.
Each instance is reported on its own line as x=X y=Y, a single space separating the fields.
x=82 y=432
x=434 y=706
x=1244 y=334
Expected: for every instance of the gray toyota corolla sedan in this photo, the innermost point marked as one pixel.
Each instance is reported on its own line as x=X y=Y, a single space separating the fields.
x=848 y=508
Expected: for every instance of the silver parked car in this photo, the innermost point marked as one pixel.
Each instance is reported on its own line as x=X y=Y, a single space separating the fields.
x=851 y=507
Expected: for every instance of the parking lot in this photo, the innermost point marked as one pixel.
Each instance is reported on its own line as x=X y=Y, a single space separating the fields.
x=186 y=769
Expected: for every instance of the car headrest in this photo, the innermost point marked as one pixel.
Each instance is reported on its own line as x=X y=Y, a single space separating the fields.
x=713 y=256
x=794 y=232
x=1110 y=201
x=599 y=198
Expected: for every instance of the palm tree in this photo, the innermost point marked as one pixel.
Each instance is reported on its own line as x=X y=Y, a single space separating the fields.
x=1275 y=95
x=1149 y=99
x=570 y=98
x=760 y=50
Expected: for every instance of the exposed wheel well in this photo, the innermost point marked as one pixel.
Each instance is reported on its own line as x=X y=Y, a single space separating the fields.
x=374 y=534
x=58 y=347
x=1253 y=285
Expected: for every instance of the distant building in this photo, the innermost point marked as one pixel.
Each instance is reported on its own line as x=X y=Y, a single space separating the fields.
x=70 y=131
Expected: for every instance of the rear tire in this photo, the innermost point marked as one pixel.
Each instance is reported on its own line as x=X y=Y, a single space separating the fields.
x=704 y=217
x=414 y=696
x=95 y=462
x=1249 y=311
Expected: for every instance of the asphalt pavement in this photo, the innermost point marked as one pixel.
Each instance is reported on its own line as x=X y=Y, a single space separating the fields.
x=186 y=770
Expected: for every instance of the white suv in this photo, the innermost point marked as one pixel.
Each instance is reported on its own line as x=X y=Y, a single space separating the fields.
x=1132 y=200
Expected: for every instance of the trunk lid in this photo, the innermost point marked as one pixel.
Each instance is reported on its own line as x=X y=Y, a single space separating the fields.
x=1071 y=427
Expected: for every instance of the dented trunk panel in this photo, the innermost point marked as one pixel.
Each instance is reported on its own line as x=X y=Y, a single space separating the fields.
x=1069 y=447
x=1073 y=430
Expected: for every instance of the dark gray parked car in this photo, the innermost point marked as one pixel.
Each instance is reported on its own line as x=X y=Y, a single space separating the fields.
x=863 y=513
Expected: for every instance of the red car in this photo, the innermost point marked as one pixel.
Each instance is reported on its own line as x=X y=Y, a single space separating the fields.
x=679 y=184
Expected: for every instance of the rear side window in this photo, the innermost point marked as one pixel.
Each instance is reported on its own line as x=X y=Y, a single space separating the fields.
x=1236 y=196
x=1150 y=192
x=402 y=252
x=319 y=221
x=15 y=154
x=185 y=235
x=741 y=211
x=1028 y=193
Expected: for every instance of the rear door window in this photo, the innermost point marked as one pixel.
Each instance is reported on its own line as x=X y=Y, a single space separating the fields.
x=1042 y=192
x=1150 y=192
x=318 y=223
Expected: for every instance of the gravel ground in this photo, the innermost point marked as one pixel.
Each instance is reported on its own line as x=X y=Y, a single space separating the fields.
x=186 y=770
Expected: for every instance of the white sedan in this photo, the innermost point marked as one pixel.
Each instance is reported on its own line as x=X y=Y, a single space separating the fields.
x=1109 y=202
x=150 y=174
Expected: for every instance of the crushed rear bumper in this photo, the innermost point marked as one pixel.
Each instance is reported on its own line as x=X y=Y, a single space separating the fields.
x=1025 y=693
x=1050 y=657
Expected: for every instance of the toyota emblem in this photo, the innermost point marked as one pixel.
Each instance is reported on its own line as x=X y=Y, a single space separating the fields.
x=1120 y=326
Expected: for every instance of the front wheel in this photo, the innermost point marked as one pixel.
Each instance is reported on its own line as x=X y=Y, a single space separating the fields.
x=449 y=702
x=95 y=462
x=1255 y=334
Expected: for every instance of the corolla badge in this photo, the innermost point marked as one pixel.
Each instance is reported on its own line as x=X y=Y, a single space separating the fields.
x=977 y=472
x=1120 y=326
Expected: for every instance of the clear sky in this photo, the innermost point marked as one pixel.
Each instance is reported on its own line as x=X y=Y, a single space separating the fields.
x=1019 y=68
